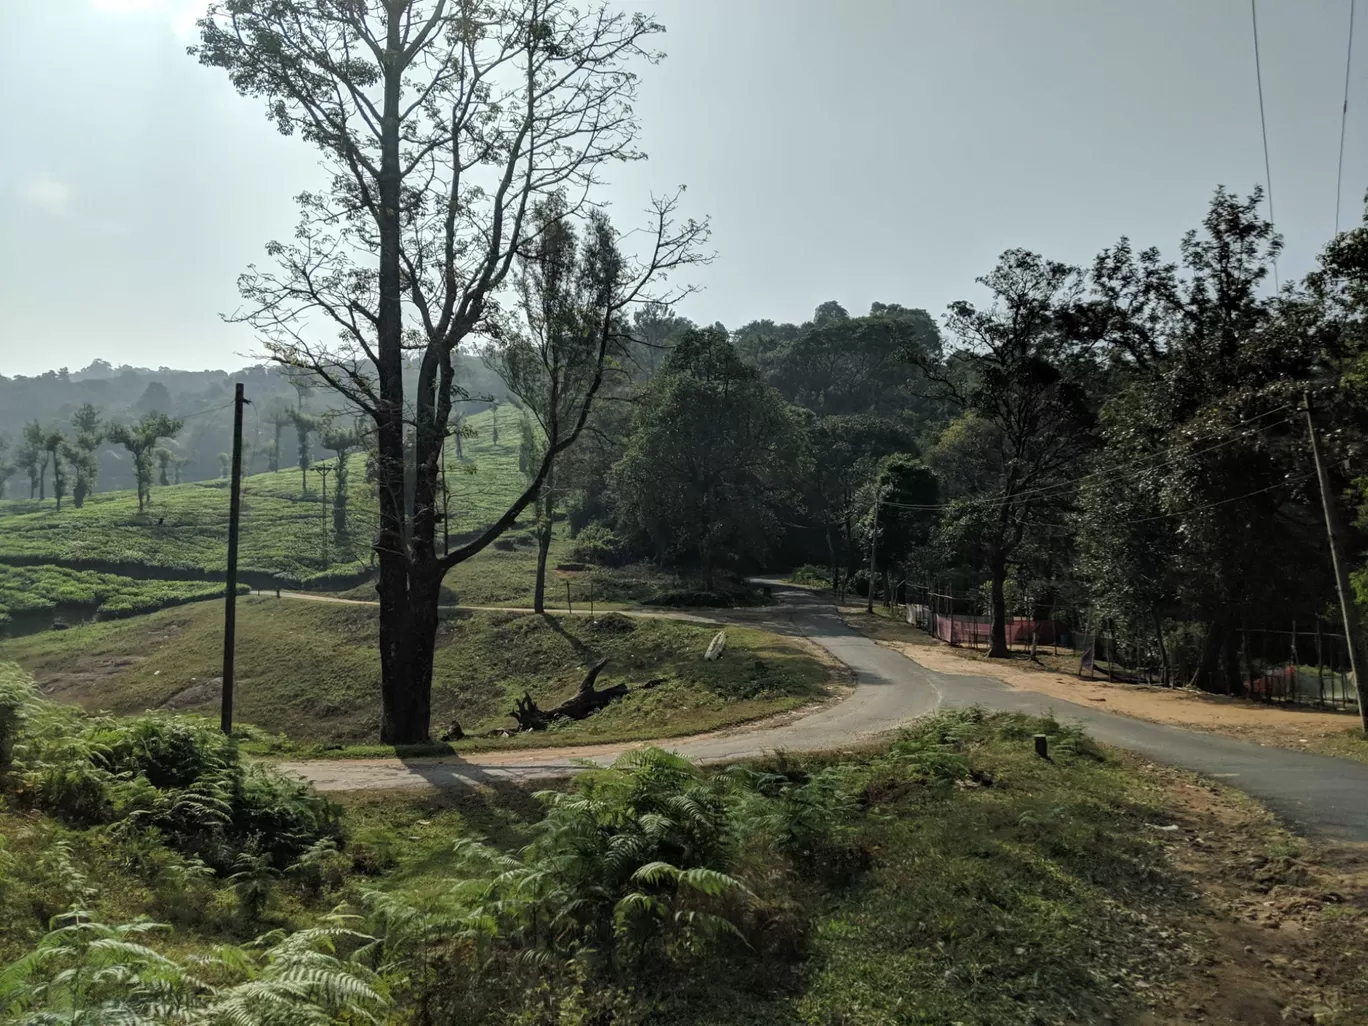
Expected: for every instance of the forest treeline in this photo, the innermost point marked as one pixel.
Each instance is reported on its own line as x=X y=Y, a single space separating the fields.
x=1121 y=444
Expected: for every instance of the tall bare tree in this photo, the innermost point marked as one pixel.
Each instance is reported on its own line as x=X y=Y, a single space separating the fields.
x=443 y=122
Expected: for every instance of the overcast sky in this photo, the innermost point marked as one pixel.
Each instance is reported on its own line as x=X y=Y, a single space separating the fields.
x=855 y=150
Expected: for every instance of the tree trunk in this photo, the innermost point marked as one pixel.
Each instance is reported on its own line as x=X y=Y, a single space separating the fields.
x=546 y=508
x=543 y=549
x=998 y=628
x=831 y=560
x=1206 y=679
x=1163 y=649
x=407 y=592
x=1234 y=680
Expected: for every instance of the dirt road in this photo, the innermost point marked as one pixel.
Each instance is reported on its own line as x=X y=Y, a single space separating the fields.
x=1311 y=793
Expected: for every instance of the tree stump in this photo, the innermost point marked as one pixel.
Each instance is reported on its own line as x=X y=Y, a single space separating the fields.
x=578 y=706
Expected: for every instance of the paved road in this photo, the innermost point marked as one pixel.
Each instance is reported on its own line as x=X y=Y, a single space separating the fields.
x=1311 y=793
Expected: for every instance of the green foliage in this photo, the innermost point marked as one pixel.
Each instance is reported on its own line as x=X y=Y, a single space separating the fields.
x=597 y=544
x=141 y=440
x=86 y=973
x=811 y=575
x=178 y=776
x=842 y=366
x=714 y=458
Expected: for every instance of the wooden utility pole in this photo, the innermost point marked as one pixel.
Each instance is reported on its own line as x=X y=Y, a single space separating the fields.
x=873 y=550
x=1348 y=611
x=230 y=597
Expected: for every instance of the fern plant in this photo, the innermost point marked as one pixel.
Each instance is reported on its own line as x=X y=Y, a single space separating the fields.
x=85 y=973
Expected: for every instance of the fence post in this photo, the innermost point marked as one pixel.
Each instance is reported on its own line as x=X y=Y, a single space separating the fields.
x=1320 y=665
x=568 y=607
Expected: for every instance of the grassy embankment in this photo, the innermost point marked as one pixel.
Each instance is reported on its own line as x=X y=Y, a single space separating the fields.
x=949 y=877
x=310 y=670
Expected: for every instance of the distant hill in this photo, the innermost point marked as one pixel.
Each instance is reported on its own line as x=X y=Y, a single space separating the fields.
x=286 y=528
x=202 y=398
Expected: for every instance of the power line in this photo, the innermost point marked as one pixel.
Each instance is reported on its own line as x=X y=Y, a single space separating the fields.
x=201 y=413
x=1184 y=512
x=1134 y=467
x=1209 y=505
x=1263 y=126
x=1344 y=115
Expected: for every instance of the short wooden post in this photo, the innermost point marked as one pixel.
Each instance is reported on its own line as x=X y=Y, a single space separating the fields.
x=1042 y=746
x=568 y=608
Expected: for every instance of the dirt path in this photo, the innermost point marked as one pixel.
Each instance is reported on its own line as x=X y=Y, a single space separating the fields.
x=1299 y=729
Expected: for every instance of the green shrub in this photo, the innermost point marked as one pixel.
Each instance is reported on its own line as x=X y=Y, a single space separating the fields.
x=177 y=775
x=596 y=544
x=85 y=972
x=812 y=575
x=16 y=694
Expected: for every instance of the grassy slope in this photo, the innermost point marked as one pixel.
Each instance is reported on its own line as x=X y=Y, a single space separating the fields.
x=310 y=670
x=282 y=527
x=1039 y=898
x=504 y=577
x=1027 y=893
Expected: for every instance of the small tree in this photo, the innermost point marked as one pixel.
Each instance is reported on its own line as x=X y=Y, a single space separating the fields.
x=141 y=440
x=555 y=357
x=901 y=513
x=165 y=458
x=7 y=465
x=33 y=459
x=81 y=453
x=54 y=448
x=342 y=441
x=279 y=417
x=305 y=424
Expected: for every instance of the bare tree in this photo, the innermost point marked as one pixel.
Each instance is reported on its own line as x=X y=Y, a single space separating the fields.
x=443 y=122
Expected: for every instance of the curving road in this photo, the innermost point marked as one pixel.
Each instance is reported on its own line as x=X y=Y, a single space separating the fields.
x=1310 y=793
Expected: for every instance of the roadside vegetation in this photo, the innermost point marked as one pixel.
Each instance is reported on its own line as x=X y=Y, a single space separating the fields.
x=310 y=671
x=950 y=876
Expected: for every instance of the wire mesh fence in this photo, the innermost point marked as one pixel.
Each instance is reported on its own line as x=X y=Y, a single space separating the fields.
x=1298 y=665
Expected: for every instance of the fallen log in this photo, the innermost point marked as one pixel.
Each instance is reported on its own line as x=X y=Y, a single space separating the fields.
x=581 y=704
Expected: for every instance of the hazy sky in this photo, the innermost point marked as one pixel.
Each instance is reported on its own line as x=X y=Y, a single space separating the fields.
x=855 y=150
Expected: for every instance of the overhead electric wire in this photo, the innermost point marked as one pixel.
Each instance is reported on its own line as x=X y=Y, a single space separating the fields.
x=1344 y=115
x=1130 y=468
x=1180 y=512
x=1263 y=126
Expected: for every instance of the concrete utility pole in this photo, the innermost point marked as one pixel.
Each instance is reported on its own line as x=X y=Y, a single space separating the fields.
x=1348 y=611
x=230 y=598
